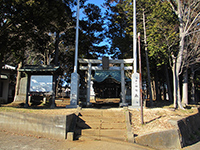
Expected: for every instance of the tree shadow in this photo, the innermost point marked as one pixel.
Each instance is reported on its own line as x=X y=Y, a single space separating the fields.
x=159 y=104
x=153 y=120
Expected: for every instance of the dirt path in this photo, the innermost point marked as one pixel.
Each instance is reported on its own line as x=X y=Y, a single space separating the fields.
x=11 y=141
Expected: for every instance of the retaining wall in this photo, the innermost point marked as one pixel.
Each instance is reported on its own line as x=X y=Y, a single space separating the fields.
x=186 y=132
x=51 y=126
x=189 y=128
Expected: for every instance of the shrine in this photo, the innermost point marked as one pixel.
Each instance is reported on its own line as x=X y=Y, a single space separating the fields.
x=107 y=87
x=109 y=83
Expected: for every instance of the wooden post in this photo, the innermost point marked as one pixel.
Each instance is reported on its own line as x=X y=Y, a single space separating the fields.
x=140 y=71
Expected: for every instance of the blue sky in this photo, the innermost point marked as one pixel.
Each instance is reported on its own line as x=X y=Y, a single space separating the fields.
x=97 y=2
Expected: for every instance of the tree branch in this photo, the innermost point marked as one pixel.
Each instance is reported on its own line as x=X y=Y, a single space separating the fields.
x=193 y=21
x=172 y=5
x=193 y=32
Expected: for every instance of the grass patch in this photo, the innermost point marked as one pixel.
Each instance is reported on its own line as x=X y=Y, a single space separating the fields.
x=14 y=109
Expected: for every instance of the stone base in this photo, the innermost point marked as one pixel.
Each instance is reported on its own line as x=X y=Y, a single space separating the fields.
x=70 y=136
x=134 y=107
x=72 y=106
x=123 y=104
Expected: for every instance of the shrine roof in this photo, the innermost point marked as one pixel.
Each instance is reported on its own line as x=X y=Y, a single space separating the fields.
x=8 y=67
x=40 y=69
x=101 y=75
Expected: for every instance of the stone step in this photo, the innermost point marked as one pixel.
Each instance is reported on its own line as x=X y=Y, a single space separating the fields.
x=103 y=134
x=102 y=138
x=96 y=113
x=103 y=119
x=101 y=125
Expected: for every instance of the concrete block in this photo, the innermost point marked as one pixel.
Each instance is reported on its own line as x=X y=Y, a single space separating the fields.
x=70 y=136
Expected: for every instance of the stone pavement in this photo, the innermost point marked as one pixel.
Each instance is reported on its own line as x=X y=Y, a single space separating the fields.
x=10 y=141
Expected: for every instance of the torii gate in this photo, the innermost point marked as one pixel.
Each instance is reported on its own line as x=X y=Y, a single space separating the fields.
x=89 y=68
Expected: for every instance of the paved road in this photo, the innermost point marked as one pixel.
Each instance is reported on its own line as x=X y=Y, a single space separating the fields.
x=10 y=141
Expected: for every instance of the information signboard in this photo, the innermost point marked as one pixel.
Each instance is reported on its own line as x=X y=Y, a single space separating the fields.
x=41 y=83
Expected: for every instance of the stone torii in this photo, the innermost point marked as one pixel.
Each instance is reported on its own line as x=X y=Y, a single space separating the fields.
x=105 y=61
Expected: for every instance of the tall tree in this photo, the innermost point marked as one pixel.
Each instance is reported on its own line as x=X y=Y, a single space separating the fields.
x=92 y=32
x=117 y=14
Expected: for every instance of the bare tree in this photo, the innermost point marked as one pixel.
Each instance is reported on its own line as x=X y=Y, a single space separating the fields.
x=189 y=17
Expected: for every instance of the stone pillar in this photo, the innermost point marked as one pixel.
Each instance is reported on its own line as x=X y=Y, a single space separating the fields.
x=74 y=93
x=123 y=97
x=88 y=83
x=27 y=90
x=53 y=104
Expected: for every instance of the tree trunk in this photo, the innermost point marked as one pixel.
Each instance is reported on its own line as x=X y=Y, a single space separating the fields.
x=175 y=85
x=1 y=64
x=169 y=91
x=177 y=98
x=177 y=69
x=57 y=85
x=17 y=82
x=156 y=85
x=193 y=86
x=179 y=95
x=178 y=62
x=153 y=87
x=56 y=48
x=147 y=62
x=185 y=88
